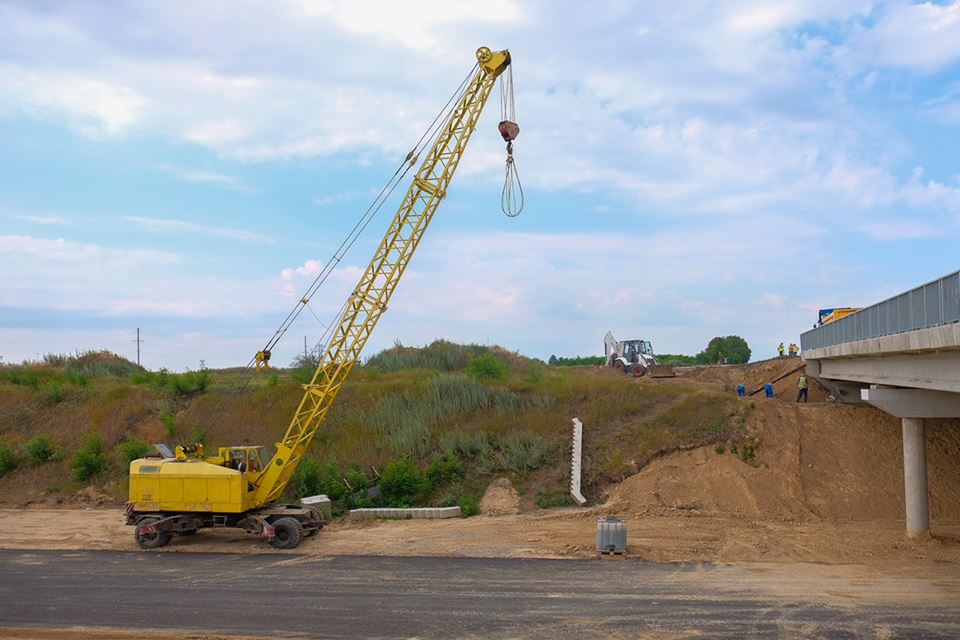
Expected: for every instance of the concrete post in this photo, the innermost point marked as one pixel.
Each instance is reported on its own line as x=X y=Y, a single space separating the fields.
x=915 y=477
x=575 y=463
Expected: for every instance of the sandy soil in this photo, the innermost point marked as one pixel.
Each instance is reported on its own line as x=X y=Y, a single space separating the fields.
x=658 y=534
x=825 y=486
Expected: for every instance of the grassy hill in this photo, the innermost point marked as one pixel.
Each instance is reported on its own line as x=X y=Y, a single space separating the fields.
x=428 y=425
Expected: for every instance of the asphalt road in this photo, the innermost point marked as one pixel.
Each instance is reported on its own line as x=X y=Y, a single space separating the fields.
x=292 y=595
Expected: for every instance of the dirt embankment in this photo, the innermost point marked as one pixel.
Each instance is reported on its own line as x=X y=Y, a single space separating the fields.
x=824 y=484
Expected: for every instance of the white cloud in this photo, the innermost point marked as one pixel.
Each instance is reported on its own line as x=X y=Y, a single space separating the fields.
x=45 y=220
x=415 y=24
x=62 y=275
x=205 y=177
x=921 y=36
x=774 y=300
x=91 y=106
x=170 y=225
x=902 y=230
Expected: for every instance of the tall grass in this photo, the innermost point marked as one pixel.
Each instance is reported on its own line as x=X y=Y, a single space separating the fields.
x=409 y=418
x=179 y=384
x=518 y=452
x=439 y=355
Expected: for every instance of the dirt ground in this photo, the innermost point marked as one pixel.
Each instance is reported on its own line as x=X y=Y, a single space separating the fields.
x=824 y=485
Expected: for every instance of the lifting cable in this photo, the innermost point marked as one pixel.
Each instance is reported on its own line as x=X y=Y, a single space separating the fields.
x=511 y=198
x=262 y=358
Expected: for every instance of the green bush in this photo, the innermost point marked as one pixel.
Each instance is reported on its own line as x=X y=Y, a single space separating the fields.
x=487 y=367
x=312 y=478
x=403 y=484
x=8 y=459
x=90 y=459
x=23 y=377
x=444 y=470
x=469 y=505
x=132 y=450
x=40 y=449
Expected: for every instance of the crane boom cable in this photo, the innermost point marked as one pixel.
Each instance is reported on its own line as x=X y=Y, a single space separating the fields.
x=425 y=139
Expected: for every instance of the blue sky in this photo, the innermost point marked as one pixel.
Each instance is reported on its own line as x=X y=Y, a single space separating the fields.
x=693 y=170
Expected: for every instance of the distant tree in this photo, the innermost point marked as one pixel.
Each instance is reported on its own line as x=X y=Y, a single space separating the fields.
x=733 y=348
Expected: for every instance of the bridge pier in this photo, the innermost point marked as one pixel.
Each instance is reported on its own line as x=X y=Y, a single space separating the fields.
x=915 y=477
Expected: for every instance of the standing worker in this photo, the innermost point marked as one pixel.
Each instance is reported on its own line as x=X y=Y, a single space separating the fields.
x=780 y=349
x=802 y=384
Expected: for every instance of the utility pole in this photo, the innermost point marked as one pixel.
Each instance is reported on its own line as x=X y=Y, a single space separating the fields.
x=304 y=349
x=138 y=346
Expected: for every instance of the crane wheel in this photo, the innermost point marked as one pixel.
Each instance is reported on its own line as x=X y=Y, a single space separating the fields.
x=288 y=532
x=151 y=540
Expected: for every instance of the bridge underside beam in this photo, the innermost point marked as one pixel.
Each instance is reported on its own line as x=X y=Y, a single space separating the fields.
x=914 y=403
x=939 y=371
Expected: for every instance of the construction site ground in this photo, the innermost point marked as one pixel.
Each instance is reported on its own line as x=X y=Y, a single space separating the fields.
x=825 y=486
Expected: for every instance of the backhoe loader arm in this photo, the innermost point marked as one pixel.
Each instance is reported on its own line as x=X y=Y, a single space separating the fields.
x=369 y=300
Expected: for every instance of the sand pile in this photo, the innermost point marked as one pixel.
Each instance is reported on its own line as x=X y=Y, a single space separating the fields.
x=500 y=498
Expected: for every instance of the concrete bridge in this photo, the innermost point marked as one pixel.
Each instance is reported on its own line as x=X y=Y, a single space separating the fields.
x=901 y=355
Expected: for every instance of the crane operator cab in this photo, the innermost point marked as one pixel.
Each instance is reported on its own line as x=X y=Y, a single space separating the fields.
x=244 y=459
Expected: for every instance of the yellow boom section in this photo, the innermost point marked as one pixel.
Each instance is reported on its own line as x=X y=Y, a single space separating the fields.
x=369 y=300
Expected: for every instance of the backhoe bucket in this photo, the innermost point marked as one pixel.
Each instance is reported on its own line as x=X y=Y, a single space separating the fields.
x=662 y=371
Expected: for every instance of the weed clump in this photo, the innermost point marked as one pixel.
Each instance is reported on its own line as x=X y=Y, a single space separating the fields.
x=469 y=505
x=132 y=450
x=90 y=459
x=40 y=450
x=8 y=459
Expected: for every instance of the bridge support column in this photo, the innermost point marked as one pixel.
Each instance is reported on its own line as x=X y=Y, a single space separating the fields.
x=915 y=477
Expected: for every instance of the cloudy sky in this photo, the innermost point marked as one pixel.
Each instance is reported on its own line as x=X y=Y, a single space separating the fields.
x=691 y=170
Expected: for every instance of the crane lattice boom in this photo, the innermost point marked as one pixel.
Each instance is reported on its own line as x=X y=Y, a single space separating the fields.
x=369 y=299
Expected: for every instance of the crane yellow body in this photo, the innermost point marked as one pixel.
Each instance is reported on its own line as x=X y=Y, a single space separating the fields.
x=240 y=486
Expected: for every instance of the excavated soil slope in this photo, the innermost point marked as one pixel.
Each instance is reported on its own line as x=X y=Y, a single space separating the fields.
x=814 y=462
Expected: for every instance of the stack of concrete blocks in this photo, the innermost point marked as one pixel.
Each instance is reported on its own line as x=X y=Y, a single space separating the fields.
x=321 y=503
x=429 y=513
x=576 y=463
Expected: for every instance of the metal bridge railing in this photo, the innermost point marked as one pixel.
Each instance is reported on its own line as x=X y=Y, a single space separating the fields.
x=931 y=305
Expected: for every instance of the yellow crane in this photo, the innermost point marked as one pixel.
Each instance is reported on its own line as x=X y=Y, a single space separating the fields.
x=183 y=492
